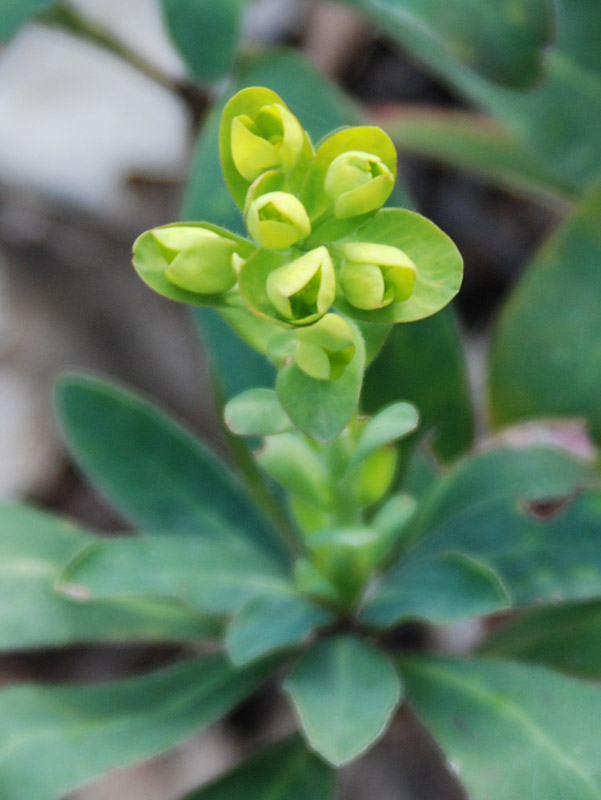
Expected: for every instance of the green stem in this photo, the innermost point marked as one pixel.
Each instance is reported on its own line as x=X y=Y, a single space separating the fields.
x=67 y=18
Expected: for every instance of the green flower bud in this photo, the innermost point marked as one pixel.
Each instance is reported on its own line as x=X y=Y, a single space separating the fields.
x=376 y=275
x=325 y=349
x=272 y=140
x=277 y=220
x=303 y=290
x=357 y=182
x=199 y=260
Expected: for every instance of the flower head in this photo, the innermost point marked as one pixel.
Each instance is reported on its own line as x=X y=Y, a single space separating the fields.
x=325 y=349
x=273 y=139
x=277 y=220
x=199 y=260
x=303 y=290
x=376 y=275
x=357 y=183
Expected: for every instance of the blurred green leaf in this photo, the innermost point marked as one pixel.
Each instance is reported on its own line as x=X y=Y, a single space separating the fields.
x=391 y=423
x=403 y=371
x=322 y=408
x=510 y=730
x=345 y=692
x=14 y=13
x=206 y=33
x=566 y=637
x=267 y=623
x=256 y=412
x=284 y=771
x=34 y=548
x=448 y=587
x=471 y=142
x=54 y=739
x=537 y=560
x=557 y=121
x=152 y=468
x=546 y=353
x=503 y=40
x=213 y=576
x=524 y=473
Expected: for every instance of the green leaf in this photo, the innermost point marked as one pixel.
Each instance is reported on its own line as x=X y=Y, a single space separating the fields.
x=443 y=589
x=391 y=423
x=152 y=468
x=511 y=730
x=404 y=369
x=14 y=13
x=55 y=739
x=205 y=33
x=501 y=39
x=265 y=624
x=344 y=691
x=439 y=264
x=546 y=353
x=566 y=637
x=256 y=412
x=474 y=143
x=524 y=473
x=213 y=576
x=321 y=409
x=537 y=560
x=34 y=547
x=284 y=771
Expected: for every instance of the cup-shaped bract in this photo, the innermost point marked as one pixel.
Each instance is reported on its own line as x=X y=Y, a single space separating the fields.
x=277 y=220
x=375 y=275
x=326 y=348
x=194 y=262
x=352 y=175
x=357 y=183
x=258 y=133
x=199 y=260
x=272 y=140
x=303 y=290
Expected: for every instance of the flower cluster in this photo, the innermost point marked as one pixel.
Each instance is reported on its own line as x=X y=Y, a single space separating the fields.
x=320 y=251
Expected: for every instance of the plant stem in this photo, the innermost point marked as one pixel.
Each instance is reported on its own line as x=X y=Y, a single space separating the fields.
x=69 y=19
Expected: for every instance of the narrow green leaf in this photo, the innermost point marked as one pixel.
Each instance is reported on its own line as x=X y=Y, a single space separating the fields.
x=503 y=40
x=321 y=409
x=256 y=412
x=537 y=560
x=546 y=353
x=213 y=576
x=345 y=692
x=524 y=473
x=566 y=637
x=391 y=423
x=284 y=771
x=446 y=588
x=403 y=371
x=14 y=13
x=265 y=624
x=475 y=143
x=54 y=739
x=34 y=547
x=205 y=33
x=511 y=730
x=152 y=468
